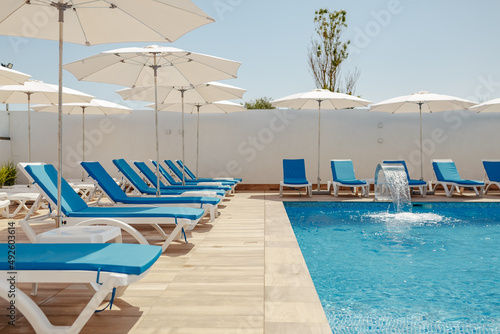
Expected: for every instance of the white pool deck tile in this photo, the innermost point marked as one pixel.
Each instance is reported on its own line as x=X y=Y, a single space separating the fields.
x=242 y=274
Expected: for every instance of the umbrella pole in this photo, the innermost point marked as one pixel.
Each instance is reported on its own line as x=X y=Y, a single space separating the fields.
x=197 y=138
x=61 y=7
x=155 y=69
x=319 y=144
x=421 y=154
x=183 y=160
x=83 y=141
x=29 y=127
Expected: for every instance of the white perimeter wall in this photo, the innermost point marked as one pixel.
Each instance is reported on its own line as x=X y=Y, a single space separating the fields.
x=5 y=154
x=252 y=144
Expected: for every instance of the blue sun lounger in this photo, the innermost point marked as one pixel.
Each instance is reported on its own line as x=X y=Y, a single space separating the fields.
x=294 y=176
x=151 y=176
x=447 y=176
x=492 y=170
x=191 y=175
x=75 y=210
x=110 y=265
x=117 y=195
x=420 y=184
x=178 y=173
x=343 y=176
x=143 y=188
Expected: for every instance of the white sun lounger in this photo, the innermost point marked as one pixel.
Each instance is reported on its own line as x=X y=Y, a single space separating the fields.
x=108 y=265
x=75 y=210
x=447 y=176
x=492 y=173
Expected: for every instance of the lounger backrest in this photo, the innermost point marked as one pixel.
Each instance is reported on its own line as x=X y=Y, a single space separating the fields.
x=446 y=171
x=148 y=173
x=46 y=178
x=492 y=169
x=294 y=170
x=402 y=162
x=105 y=181
x=166 y=175
x=131 y=175
x=342 y=170
x=174 y=168
x=188 y=171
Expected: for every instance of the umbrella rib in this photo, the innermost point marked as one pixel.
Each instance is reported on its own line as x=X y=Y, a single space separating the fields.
x=81 y=26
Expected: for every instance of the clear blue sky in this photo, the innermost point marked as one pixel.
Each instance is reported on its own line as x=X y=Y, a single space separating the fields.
x=400 y=46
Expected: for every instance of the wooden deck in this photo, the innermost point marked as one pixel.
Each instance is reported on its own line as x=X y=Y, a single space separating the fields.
x=242 y=274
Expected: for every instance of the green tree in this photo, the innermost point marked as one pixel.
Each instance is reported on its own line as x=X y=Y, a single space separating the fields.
x=328 y=52
x=261 y=103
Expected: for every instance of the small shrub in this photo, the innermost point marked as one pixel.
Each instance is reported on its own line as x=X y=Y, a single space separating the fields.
x=8 y=174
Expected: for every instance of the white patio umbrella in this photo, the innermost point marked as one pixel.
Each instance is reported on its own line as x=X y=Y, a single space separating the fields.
x=98 y=22
x=488 y=106
x=33 y=91
x=320 y=98
x=94 y=107
x=205 y=108
x=167 y=66
x=202 y=94
x=11 y=77
x=421 y=102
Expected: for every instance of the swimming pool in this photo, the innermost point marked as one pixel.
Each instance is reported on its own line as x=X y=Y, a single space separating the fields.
x=435 y=270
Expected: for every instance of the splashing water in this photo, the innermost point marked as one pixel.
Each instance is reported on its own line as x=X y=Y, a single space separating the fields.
x=391 y=184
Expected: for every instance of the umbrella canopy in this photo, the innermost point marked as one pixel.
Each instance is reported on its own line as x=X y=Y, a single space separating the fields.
x=203 y=93
x=320 y=98
x=205 y=108
x=33 y=91
x=94 y=107
x=488 y=106
x=102 y=21
x=328 y=100
x=11 y=77
x=422 y=102
x=154 y=66
x=95 y=22
x=136 y=67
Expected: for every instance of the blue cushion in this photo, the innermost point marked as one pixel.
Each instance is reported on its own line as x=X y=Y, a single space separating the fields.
x=129 y=259
x=417 y=183
x=294 y=171
x=106 y=182
x=191 y=175
x=193 y=185
x=447 y=172
x=492 y=170
x=342 y=170
x=46 y=177
x=140 y=212
x=352 y=182
x=295 y=181
x=187 y=181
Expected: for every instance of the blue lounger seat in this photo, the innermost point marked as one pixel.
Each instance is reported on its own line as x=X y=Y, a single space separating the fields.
x=191 y=175
x=117 y=195
x=420 y=184
x=492 y=173
x=75 y=209
x=141 y=186
x=447 y=176
x=151 y=177
x=343 y=176
x=294 y=176
x=187 y=181
x=111 y=265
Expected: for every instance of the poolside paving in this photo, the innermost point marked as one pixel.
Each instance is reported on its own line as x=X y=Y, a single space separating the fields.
x=242 y=274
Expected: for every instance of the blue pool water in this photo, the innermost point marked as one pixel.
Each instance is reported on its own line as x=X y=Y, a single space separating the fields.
x=435 y=270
